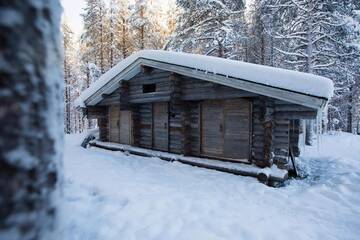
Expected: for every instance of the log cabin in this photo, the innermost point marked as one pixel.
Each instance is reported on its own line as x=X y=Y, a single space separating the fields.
x=205 y=107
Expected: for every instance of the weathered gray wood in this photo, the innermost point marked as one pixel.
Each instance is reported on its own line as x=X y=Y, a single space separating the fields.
x=237 y=121
x=110 y=99
x=124 y=95
x=146 y=70
x=184 y=160
x=294 y=137
x=225 y=129
x=103 y=129
x=212 y=129
x=296 y=115
x=95 y=112
x=161 y=126
x=125 y=127
x=114 y=123
x=298 y=98
x=269 y=125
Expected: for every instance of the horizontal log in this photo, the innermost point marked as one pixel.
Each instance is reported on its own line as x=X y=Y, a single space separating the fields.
x=296 y=115
x=292 y=108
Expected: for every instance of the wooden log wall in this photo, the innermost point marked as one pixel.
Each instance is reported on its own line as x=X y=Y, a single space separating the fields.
x=95 y=112
x=158 y=77
x=110 y=99
x=143 y=126
x=195 y=133
x=285 y=130
x=124 y=95
x=275 y=124
x=167 y=85
x=135 y=113
x=281 y=143
x=175 y=130
x=103 y=129
x=101 y=114
x=196 y=89
x=294 y=136
x=258 y=133
x=269 y=129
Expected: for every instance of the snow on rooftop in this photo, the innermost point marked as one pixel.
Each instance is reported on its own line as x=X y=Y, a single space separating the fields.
x=276 y=77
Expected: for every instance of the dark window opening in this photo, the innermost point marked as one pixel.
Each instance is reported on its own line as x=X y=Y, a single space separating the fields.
x=149 y=88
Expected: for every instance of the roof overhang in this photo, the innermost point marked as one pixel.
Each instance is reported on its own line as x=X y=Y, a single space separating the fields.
x=134 y=68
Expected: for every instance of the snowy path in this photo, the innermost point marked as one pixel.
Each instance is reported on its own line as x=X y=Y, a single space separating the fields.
x=113 y=196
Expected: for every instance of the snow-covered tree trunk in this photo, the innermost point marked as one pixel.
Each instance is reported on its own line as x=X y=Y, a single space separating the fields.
x=31 y=117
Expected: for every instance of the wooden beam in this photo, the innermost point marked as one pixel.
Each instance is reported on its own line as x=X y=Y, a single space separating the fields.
x=146 y=69
x=296 y=115
x=267 y=179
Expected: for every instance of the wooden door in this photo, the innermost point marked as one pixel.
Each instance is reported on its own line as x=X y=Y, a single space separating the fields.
x=114 y=124
x=225 y=129
x=212 y=128
x=125 y=127
x=237 y=129
x=160 y=126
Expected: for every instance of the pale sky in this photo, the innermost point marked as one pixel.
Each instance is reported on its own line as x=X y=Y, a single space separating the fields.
x=73 y=9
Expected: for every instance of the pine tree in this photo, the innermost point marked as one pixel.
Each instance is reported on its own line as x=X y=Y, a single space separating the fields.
x=121 y=35
x=140 y=23
x=94 y=36
x=147 y=25
x=263 y=23
x=311 y=40
x=215 y=30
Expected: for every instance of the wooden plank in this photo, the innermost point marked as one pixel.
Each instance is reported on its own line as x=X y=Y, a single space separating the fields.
x=212 y=129
x=125 y=127
x=237 y=129
x=114 y=123
x=161 y=126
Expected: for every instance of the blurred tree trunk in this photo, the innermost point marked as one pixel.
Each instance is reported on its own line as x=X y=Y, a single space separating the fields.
x=31 y=117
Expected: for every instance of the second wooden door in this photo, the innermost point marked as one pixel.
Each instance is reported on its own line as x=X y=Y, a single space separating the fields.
x=225 y=129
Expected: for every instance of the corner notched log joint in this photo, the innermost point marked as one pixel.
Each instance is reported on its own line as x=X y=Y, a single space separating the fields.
x=268 y=133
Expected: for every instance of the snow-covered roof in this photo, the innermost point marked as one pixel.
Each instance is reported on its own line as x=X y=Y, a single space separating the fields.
x=293 y=81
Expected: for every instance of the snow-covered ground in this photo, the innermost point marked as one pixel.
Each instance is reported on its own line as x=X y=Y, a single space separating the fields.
x=109 y=195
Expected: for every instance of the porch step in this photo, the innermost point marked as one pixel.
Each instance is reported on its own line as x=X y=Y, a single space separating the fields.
x=265 y=175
